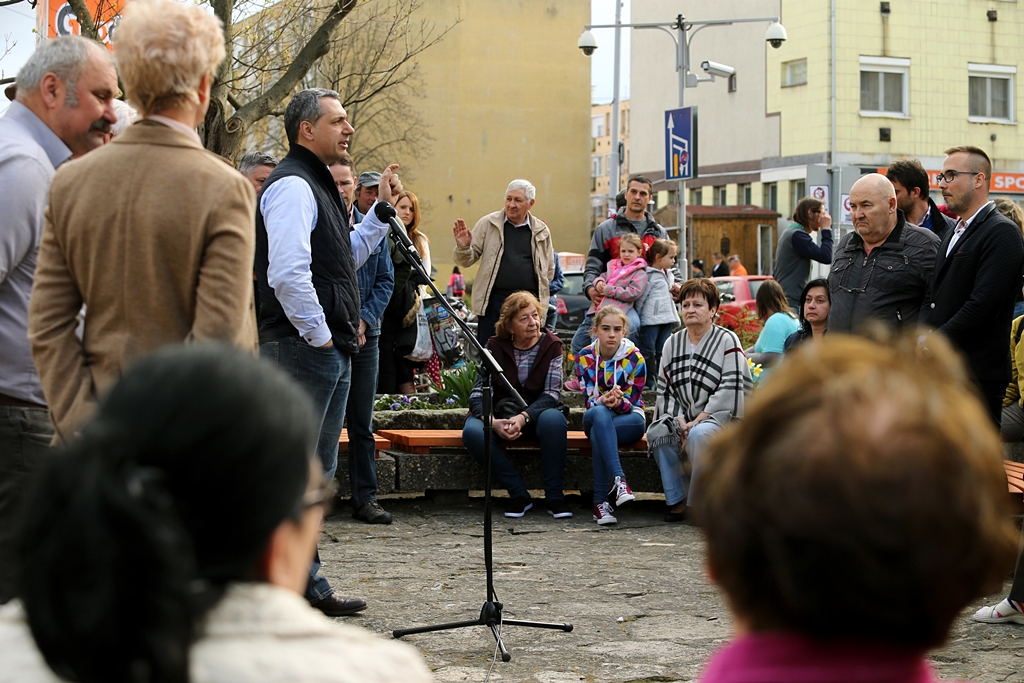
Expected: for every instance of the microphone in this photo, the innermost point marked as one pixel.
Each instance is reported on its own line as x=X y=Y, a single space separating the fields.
x=386 y=214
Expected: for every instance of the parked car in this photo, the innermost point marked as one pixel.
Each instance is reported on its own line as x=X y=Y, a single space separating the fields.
x=572 y=303
x=737 y=292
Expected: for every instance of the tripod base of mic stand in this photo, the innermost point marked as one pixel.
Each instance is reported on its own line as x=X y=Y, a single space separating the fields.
x=490 y=616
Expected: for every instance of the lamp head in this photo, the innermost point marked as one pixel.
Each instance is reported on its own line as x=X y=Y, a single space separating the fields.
x=587 y=43
x=775 y=35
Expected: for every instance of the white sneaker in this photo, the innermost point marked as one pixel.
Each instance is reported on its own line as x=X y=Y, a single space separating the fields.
x=603 y=514
x=1003 y=613
x=621 y=491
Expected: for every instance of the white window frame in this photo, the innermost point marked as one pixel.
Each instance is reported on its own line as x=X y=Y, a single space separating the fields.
x=787 y=73
x=993 y=71
x=888 y=65
x=597 y=126
x=596 y=162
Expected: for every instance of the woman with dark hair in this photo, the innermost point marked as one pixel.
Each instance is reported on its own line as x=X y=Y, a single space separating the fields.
x=899 y=507
x=796 y=248
x=779 y=323
x=813 y=313
x=531 y=358
x=703 y=383
x=189 y=508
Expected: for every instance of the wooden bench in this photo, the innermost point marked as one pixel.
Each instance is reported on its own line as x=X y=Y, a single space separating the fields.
x=379 y=442
x=421 y=441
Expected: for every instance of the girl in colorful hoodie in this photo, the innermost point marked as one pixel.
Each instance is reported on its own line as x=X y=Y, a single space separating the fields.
x=612 y=373
x=624 y=281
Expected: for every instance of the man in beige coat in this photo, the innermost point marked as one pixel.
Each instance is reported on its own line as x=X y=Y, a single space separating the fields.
x=152 y=233
x=515 y=253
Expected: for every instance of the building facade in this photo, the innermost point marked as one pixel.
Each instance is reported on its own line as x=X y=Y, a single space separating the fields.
x=603 y=158
x=912 y=78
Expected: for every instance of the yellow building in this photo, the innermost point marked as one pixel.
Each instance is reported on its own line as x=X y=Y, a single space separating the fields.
x=912 y=78
x=603 y=158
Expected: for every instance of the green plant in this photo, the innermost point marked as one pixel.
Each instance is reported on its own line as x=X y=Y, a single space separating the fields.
x=456 y=385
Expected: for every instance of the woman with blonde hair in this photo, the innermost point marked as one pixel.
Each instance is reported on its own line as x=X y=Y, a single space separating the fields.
x=531 y=358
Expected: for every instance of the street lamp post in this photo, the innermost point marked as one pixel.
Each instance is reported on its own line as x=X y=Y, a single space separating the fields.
x=682 y=35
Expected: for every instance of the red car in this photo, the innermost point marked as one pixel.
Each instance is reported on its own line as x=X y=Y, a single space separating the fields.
x=737 y=293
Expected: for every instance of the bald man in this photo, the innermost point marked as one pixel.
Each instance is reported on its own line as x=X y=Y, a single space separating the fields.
x=884 y=269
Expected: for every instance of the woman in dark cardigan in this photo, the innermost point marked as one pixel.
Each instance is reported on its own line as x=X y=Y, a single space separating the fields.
x=531 y=358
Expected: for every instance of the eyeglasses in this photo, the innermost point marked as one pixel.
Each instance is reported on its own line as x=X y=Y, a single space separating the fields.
x=323 y=495
x=950 y=176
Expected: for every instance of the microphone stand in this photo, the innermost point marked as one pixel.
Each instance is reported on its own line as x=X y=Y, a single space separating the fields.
x=491 y=612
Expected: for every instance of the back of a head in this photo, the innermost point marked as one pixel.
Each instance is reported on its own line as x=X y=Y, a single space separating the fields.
x=196 y=456
x=865 y=474
x=770 y=299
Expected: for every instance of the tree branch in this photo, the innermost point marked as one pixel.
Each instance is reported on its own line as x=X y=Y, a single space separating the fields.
x=317 y=46
x=85 y=19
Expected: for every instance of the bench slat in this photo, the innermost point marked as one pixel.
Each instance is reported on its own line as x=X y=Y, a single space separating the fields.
x=422 y=440
x=379 y=442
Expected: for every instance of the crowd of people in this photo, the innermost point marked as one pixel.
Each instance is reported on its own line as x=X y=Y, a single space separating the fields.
x=299 y=307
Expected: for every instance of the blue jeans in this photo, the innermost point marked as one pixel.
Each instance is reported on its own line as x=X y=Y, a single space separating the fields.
x=362 y=466
x=607 y=431
x=326 y=374
x=582 y=337
x=550 y=430
x=652 y=341
x=680 y=488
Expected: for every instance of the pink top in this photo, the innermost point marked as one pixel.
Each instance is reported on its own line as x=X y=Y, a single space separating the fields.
x=776 y=657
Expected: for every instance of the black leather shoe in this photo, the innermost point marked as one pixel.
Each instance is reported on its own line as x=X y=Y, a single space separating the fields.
x=372 y=513
x=334 y=606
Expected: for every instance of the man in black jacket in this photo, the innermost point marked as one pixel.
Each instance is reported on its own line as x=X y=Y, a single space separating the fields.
x=978 y=274
x=306 y=264
x=883 y=270
x=910 y=181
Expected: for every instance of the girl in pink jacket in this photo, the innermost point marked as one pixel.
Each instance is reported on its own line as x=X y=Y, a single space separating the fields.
x=624 y=281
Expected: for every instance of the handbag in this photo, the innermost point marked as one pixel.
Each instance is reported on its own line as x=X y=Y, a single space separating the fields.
x=423 y=349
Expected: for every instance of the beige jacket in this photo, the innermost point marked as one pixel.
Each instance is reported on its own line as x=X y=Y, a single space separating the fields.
x=488 y=246
x=256 y=633
x=156 y=236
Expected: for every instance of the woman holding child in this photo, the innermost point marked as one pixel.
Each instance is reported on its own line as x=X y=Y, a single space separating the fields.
x=612 y=374
x=702 y=385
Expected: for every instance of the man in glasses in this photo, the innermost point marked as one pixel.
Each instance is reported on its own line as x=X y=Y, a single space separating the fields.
x=883 y=270
x=978 y=274
x=910 y=181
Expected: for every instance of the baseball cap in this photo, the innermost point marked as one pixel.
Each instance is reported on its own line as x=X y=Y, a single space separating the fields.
x=369 y=179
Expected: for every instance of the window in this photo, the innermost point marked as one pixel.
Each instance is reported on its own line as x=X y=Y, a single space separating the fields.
x=719 y=196
x=883 y=86
x=794 y=73
x=744 y=193
x=696 y=196
x=770 y=196
x=595 y=167
x=990 y=92
x=596 y=126
x=799 y=191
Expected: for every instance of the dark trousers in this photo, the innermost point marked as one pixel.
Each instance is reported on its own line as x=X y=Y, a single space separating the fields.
x=485 y=323
x=992 y=394
x=362 y=466
x=1017 y=587
x=549 y=430
x=25 y=435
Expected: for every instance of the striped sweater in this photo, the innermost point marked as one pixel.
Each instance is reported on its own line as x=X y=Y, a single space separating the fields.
x=711 y=378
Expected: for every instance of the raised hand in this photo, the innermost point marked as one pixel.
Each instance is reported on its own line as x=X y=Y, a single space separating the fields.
x=390 y=185
x=463 y=237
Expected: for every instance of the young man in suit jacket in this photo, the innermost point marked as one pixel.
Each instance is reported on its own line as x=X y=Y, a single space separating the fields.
x=978 y=274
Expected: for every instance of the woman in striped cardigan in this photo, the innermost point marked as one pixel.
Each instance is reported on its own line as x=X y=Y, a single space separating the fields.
x=704 y=379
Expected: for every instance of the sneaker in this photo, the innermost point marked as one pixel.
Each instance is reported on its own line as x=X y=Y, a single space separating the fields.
x=518 y=506
x=572 y=385
x=372 y=513
x=558 y=509
x=1003 y=613
x=621 y=491
x=603 y=514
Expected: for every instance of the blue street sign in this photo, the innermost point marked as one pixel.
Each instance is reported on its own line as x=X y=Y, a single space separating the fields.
x=680 y=147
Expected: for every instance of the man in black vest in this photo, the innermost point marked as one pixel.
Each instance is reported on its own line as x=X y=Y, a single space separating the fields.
x=306 y=263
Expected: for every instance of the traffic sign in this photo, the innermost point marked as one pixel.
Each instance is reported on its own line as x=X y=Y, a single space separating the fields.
x=680 y=143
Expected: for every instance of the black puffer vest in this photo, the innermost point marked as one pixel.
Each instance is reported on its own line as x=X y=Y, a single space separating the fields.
x=333 y=266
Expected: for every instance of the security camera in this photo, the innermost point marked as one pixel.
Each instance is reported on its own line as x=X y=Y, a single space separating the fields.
x=775 y=35
x=716 y=69
x=587 y=43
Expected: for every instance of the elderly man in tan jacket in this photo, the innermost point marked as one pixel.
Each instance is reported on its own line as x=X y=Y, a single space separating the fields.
x=153 y=233
x=515 y=253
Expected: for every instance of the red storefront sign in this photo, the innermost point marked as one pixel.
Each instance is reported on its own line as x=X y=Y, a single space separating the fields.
x=1002 y=182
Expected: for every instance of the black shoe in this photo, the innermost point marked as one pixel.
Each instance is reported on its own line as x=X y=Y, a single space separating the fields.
x=333 y=606
x=558 y=509
x=517 y=507
x=372 y=513
x=673 y=517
